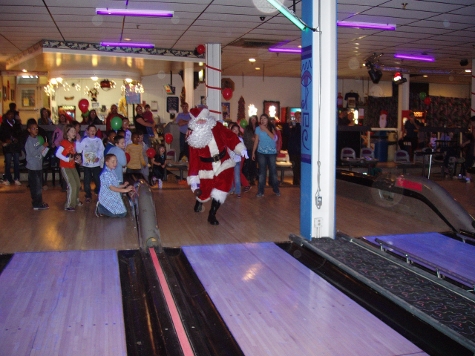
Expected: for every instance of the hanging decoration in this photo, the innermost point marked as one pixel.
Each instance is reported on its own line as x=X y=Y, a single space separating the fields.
x=107 y=84
x=422 y=95
x=227 y=93
x=200 y=49
x=241 y=109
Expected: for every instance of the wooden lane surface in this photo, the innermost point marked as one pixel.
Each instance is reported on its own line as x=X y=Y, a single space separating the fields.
x=248 y=219
x=62 y=303
x=251 y=219
x=22 y=229
x=273 y=305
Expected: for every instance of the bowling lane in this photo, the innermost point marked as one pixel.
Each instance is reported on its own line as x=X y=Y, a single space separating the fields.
x=273 y=305
x=62 y=303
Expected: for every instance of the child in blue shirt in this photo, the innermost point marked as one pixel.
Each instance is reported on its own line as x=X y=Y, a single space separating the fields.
x=34 y=163
x=110 y=200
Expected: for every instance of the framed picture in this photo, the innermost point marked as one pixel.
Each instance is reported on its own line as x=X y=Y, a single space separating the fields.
x=272 y=108
x=154 y=106
x=226 y=111
x=172 y=104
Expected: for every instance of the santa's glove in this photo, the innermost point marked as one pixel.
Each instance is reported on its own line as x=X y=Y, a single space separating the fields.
x=194 y=186
x=244 y=154
x=194 y=182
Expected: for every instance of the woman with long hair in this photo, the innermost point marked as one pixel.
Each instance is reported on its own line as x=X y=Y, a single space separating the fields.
x=265 y=152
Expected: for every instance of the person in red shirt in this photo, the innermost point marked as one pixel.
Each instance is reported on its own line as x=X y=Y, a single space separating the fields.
x=67 y=162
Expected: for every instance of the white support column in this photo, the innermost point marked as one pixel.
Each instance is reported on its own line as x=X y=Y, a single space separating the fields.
x=319 y=94
x=402 y=102
x=213 y=79
x=188 y=81
x=473 y=89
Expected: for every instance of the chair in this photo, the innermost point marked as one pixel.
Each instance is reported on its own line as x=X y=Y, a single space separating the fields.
x=366 y=152
x=171 y=155
x=402 y=159
x=347 y=153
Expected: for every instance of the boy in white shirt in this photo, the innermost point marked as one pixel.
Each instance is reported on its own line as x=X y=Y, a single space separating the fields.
x=92 y=150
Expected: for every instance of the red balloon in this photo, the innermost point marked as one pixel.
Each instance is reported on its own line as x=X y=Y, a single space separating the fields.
x=427 y=100
x=168 y=138
x=200 y=49
x=127 y=157
x=83 y=105
x=227 y=93
x=150 y=153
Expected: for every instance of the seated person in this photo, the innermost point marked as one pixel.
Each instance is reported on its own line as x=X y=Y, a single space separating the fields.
x=110 y=200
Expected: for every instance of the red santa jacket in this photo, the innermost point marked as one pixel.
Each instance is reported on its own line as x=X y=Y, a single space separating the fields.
x=223 y=138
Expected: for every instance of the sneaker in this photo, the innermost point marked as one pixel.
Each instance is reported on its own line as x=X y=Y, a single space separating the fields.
x=17 y=182
x=6 y=182
x=259 y=195
x=239 y=195
x=79 y=203
x=277 y=194
x=69 y=209
x=246 y=189
x=96 y=211
x=160 y=184
x=43 y=206
x=88 y=200
x=468 y=180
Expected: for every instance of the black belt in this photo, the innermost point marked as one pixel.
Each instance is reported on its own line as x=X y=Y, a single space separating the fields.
x=215 y=158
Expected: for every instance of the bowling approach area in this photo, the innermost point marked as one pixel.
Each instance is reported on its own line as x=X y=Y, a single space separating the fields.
x=397 y=280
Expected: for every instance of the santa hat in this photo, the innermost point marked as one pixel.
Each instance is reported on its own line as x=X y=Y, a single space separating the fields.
x=383 y=112
x=199 y=113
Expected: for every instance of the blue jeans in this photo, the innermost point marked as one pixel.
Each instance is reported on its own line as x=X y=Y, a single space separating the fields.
x=236 y=187
x=16 y=166
x=94 y=173
x=104 y=211
x=267 y=161
x=35 y=181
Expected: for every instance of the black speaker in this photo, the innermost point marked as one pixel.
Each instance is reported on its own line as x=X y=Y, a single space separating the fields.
x=463 y=62
x=375 y=75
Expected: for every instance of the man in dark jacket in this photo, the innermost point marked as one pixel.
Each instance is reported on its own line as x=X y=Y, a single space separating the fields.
x=10 y=136
x=294 y=146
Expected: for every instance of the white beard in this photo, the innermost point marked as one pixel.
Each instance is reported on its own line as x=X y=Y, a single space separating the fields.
x=201 y=135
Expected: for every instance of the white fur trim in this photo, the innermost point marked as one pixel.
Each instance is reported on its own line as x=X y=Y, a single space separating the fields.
x=219 y=195
x=239 y=148
x=193 y=179
x=210 y=174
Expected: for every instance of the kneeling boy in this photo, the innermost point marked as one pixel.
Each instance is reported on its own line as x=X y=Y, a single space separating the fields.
x=110 y=200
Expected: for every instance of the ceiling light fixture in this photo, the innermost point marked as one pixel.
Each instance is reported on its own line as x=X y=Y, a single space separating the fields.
x=398 y=78
x=414 y=58
x=134 y=12
x=288 y=14
x=128 y=44
x=285 y=50
x=252 y=60
x=367 y=25
x=374 y=74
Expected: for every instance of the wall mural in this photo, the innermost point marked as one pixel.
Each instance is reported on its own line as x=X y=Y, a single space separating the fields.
x=442 y=111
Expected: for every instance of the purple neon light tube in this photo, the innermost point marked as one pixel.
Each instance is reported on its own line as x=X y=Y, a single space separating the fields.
x=134 y=12
x=415 y=58
x=127 y=44
x=368 y=25
x=285 y=50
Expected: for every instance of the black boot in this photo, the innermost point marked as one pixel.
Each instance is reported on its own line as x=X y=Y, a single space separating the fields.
x=198 y=207
x=212 y=212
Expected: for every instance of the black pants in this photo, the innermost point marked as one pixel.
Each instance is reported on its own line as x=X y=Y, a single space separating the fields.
x=295 y=160
x=35 y=181
x=94 y=173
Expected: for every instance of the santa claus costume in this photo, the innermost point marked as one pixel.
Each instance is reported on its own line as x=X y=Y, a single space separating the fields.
x=211 y=172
